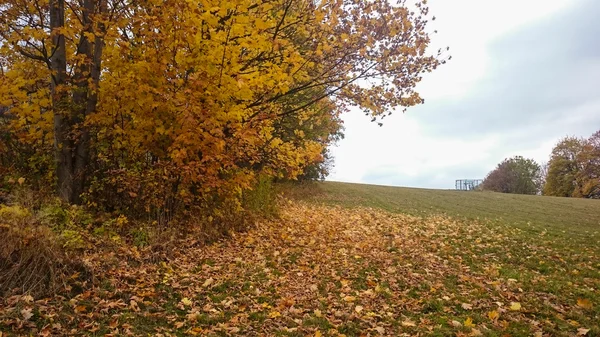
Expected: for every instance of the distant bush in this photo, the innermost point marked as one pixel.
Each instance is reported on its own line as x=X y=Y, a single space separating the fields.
x=515 y=175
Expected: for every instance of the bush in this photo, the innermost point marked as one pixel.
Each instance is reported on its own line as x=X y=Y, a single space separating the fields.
x=261 y=199
x=32 y=257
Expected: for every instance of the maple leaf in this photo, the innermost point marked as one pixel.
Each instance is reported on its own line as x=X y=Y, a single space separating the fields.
x=26 y=313
x=208 y=282
x=27 y=298
x=467 y=306
x=349 y=298
x=318 y=313
x=582 y=331
x=469 y=322
x=186 y=301
x=515 y=306
x=408 y=323
x=274 y=314
x=584 y=303
x=493 y=315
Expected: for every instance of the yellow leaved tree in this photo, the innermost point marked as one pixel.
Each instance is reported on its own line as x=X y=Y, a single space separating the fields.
x=166 y=104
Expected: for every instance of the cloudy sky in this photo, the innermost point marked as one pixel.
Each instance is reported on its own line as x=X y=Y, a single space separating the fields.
x=523 y=74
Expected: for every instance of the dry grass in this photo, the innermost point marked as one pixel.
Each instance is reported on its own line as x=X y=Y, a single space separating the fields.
x=31 y=257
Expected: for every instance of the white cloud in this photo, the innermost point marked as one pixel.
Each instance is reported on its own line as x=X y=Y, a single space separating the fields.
x=405 y=151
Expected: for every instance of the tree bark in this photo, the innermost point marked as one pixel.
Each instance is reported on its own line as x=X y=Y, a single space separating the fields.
x=60 y=103
x=72 y=137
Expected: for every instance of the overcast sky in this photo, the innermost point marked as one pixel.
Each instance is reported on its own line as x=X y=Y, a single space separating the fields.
x=523 y=74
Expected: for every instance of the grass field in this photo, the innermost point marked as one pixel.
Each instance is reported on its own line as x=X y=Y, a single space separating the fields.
x=575 y=218
x=352 y=260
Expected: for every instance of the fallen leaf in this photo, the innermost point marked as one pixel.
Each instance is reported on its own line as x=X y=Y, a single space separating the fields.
x=475 y=333
x=26 y=313
x=318 y=333
x=515 y=306
x=408 y=322
x=582 y=331
x=349 y=298
x=274 y=314
x=584 y=303
x=208 y=282
x=134 y=306
x=456 y=324
x=467 y=306
x=493 y=315
x=318 y=313
x=186 y=301
x=469 y=322
x=358 y=308
x=379 y=329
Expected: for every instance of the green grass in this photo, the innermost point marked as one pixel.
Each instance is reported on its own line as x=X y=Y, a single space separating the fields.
x=574 y=217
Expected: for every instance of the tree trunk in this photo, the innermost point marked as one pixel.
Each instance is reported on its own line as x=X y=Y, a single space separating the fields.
x=72 y=135
x=61 y=104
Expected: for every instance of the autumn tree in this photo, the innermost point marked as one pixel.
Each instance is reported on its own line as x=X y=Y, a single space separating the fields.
x=515 y=175
x=588 y=178
x=151 y=104
x=564 y=168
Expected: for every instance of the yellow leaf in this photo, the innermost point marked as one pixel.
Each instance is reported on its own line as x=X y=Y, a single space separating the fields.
x=21 y=181
x=584 y=303
x=515 y=306
x=493 y=315
x=318 y=313
x=318 y=333
x=274 y=314
x=469 y=322
x=186 y=301
x=349 y=298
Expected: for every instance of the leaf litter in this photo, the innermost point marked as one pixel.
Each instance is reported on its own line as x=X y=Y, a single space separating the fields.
x=331 y=271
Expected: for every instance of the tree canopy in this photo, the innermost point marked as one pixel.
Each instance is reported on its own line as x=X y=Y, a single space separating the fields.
x=515 y=175
x=149 y=104
x=574 y=168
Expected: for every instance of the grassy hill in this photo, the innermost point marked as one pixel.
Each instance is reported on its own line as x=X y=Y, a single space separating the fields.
x=573 y=217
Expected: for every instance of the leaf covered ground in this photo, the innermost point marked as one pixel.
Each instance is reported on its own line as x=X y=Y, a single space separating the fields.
x=322 y=270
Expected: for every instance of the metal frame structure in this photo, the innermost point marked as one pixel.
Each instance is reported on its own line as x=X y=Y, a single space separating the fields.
x=467 y=184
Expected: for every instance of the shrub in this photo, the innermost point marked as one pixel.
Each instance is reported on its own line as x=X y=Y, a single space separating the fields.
x=32 y=257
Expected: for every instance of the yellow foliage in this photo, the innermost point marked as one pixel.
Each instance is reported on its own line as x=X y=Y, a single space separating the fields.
x=196 y=99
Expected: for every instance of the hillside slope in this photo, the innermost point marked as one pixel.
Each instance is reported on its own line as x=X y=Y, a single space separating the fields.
x=577 y=217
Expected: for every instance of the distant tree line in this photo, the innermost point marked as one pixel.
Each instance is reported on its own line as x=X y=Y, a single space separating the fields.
x=573 y=170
